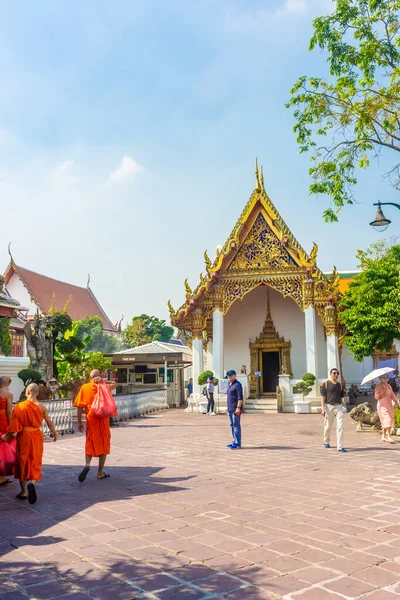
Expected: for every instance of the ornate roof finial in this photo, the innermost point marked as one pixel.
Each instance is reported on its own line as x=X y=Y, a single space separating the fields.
x=188 y=289
x=88 y=281
x=208 y=262
x=257 y=176
x=262 y=179
x=9 y=252
x=171 y=309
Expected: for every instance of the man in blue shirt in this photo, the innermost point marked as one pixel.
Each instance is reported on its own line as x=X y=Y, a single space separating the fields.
x=189 y=388
x=234 y=405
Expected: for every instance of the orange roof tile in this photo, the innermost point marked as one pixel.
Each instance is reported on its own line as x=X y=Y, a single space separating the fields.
x=83 y=302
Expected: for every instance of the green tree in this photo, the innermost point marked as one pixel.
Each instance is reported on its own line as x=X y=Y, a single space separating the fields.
x=145 y=329
x=99 y=340
x=370 y=309
x=5 y=336
x=351 y=116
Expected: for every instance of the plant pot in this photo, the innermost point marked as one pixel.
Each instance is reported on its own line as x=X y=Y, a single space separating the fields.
x=302 y=406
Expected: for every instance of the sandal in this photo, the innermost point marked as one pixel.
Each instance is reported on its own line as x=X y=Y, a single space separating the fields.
x=105 y=476
x=82 y=476
x=6 y=481
x=32 y=496
x=20 y=496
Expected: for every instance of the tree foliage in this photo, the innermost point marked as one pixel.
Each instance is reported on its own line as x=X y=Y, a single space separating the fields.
x=5 y=336
x=145 y=329
x=73 y=362
x=370 y=309
x=353 y=115
x=99 y=340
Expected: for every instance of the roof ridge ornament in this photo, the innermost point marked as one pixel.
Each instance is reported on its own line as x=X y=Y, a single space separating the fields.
x=258 y=186
x=188 y=289
x=262 y=178
x=10 y=253
x=88 y=282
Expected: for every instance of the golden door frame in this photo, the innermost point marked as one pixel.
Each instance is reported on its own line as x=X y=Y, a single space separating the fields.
x=268 y=341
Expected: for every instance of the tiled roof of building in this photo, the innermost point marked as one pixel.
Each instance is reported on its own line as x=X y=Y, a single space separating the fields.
x=45 y=292
x=157 y=348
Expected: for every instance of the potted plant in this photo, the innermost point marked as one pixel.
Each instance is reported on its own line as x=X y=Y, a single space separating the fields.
x=304 y=387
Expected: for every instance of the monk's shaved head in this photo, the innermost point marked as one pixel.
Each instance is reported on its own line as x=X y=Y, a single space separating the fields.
x=4 y=381
x=32 y=390
x=95 y=373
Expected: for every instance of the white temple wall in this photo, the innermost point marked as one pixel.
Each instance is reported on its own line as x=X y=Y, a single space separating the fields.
x=354 y=371
x=17 y=290
x=321 y=350
x=245 y=320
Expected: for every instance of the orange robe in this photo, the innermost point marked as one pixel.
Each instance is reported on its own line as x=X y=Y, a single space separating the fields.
x=98 y=435
x=26 y=421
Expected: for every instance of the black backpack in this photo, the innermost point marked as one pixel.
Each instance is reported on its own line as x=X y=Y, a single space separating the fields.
x=204 y=392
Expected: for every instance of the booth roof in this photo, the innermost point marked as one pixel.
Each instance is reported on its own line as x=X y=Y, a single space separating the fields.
x=157 y=347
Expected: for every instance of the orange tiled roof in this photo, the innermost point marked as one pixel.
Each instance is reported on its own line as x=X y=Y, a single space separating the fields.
x=83 y=302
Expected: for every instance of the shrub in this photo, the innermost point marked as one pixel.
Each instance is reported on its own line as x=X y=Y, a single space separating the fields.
x=203 y=378
x=29 y=376
x=304 y=386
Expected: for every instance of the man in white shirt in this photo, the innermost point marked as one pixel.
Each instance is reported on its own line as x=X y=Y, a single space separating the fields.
x=210 y=395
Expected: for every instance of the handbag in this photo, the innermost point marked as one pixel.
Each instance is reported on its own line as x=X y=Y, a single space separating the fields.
x=8 y=457
x=103 y=404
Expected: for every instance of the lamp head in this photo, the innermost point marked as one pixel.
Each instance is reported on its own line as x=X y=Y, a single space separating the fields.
x=380 y=223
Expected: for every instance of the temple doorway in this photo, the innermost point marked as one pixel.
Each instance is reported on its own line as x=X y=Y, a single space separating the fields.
x=270 y=367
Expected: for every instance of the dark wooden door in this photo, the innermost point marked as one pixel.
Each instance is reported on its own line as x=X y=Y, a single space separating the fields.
x=270 y=372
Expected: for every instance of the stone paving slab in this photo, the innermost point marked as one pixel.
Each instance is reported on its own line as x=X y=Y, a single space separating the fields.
x=184 y=517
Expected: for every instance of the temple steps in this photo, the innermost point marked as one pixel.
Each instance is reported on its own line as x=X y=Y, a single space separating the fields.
x=261 y=405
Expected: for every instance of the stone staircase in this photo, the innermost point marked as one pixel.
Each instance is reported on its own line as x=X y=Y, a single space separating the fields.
x=261 y=405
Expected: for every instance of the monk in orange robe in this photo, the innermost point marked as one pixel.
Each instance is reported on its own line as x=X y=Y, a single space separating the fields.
x=6 y=400
x=98 y=435
x=26 y=421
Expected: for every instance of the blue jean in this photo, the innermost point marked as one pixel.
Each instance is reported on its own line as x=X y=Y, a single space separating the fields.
x=234 y=422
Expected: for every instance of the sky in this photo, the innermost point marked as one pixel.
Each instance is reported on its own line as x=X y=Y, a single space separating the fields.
x=129 y=132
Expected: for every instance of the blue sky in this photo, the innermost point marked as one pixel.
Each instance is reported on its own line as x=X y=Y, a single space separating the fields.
x=128 y=134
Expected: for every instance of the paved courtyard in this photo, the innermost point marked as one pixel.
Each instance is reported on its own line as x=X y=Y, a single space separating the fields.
x=183 y=517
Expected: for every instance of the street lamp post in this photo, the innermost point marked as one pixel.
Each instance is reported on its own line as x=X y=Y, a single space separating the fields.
x=381 y=223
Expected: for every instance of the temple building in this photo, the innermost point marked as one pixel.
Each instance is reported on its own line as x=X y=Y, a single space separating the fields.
x=265 y=309
x=38 y=292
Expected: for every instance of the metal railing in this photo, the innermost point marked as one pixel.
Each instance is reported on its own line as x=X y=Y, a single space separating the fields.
x=131 y=406
x=61 y=413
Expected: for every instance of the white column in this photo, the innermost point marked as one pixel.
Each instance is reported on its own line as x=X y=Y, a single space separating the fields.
x=311 y=341
x=332 y=347
x=210 y=362
x=165 y=374
x=218 y=343
x=197 y=357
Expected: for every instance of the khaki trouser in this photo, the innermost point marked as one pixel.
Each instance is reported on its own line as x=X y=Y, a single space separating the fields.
x=332 y=411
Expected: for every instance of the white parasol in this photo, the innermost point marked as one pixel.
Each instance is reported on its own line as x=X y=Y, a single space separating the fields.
x=376 y=373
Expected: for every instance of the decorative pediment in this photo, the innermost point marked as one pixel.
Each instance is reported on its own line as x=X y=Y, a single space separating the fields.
x=261 y=250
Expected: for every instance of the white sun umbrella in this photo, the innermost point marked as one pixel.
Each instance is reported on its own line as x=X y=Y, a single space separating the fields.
x=376 y=373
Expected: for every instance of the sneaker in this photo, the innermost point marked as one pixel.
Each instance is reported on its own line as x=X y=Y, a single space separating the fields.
x=230 y=445
x=327 y=445
x=342 y=450
x=213 y=414
x=235 y=447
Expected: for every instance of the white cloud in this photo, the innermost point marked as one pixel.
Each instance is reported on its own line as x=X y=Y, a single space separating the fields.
x=292 y=7
x=64 y=173
x=250 y=21
x=128 y=168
